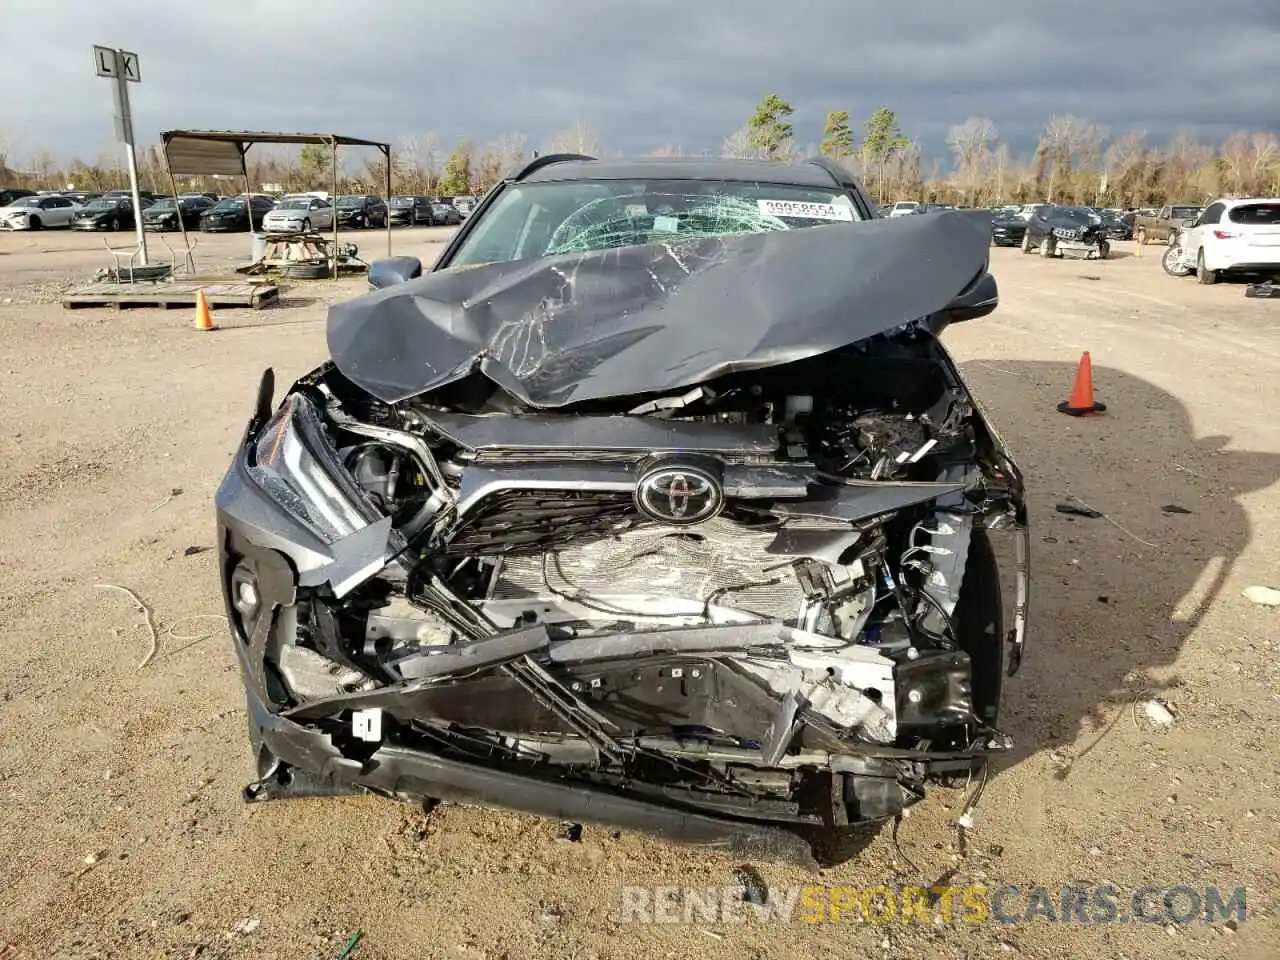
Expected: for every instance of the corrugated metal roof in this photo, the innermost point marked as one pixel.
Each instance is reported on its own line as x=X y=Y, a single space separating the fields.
x=221 y=152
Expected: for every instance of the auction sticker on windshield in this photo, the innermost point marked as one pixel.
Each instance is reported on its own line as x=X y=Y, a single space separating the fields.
x=808 y=211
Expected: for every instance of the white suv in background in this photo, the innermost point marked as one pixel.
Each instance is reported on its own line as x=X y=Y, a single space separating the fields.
x=904 y=208
x=1234 y=236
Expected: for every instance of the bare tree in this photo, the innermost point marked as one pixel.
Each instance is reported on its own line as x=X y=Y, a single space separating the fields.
x=8 y=143
x=1123 y=166
x=1068 y=142
x=1266 y=171
x=971 y=143
x=902 y=170
x=1000 y=165
x=738 y=145
x=415 y=162
x=579 y=137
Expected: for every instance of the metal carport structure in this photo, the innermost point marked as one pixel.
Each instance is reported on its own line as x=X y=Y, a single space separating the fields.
x=208 y=153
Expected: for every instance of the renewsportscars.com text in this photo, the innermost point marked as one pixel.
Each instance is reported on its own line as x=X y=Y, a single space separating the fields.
x=1102 y=904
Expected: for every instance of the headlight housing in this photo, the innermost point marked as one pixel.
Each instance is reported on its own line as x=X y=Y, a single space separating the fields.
x=296 y=464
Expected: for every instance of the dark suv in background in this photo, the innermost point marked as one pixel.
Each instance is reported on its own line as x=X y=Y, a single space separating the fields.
x=411 y=211
x=361 y=211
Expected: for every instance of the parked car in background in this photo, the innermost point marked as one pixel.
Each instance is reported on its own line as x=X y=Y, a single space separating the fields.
x=145 y=197
x=411 y=211
x=1059 y=231
x=163 y=214
x=38 y=213
x=446 y=214
x=11 y=194
x=232 y=214
x=904 y=208
x=1232 y=237
x=105 y=213
x=360 y=211
x=464 y=205
x=1117 y=225
x=299 y=214
x=1007 y=229
x=81 y=197
x=1167 y=220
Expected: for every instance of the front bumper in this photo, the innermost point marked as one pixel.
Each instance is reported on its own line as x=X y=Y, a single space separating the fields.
x=90 y=225
x=1086 y=249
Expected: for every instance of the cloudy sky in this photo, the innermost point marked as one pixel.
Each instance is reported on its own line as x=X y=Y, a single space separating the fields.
x=642 y=73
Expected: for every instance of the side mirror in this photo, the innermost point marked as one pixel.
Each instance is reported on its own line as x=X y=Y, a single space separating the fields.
x=977 y=300
x=390 y=271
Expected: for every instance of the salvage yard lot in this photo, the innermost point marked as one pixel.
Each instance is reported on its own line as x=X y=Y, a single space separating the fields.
x=123 y=830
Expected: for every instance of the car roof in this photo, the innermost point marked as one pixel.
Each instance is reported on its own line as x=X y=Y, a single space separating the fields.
x=1240 y=201
x=680 y=168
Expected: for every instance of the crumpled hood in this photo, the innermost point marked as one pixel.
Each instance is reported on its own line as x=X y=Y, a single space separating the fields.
x=558 y=330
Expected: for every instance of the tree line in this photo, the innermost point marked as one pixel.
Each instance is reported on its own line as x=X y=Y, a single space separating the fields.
x=1074 y=161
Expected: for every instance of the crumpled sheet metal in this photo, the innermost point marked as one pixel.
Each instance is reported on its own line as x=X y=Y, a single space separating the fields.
x=559 y=330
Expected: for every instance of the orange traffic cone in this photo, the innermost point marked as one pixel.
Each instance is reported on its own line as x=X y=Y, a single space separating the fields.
x=1081 y=402
x=204 y=319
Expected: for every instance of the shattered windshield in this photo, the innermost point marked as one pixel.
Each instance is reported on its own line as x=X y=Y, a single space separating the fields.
x=547 y=219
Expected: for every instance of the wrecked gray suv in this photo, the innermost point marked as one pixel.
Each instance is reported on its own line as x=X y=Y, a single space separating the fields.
x=656 y=503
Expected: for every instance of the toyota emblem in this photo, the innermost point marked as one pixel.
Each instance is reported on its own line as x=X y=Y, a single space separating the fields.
x=679 y=494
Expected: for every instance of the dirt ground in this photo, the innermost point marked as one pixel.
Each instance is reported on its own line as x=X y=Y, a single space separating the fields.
x=122 y=831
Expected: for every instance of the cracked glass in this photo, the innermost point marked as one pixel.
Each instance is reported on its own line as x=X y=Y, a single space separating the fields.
x=548 y=219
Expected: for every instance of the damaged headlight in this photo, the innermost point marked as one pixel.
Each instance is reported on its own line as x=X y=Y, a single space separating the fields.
x=297 y=466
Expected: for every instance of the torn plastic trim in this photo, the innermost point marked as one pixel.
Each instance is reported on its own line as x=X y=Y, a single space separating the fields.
x=243 y=505
x=308 y=764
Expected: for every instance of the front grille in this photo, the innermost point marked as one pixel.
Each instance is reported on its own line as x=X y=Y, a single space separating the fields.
x=535 y=521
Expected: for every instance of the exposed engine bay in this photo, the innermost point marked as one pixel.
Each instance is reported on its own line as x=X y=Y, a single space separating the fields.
x=763 y=604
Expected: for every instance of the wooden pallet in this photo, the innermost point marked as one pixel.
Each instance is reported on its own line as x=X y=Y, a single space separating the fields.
x=173 y=293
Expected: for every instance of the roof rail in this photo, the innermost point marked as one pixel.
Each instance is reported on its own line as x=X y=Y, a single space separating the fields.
x=537 y=163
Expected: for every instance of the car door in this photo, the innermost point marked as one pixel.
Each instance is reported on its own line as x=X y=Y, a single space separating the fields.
x=59 y=212
x=259 y=207
x=1195 y=236
x=321 y=214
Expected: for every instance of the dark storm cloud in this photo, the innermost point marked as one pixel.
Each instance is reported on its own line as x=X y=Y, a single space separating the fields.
x=645 y=73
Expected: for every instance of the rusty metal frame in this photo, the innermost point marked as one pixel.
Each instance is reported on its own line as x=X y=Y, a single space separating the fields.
x=244 y=139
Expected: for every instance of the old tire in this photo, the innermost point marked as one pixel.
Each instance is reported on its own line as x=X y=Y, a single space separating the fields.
x=306 y=226
x=34 y=223
x=1203 y=274
x=113 y=224
x=306 y=271
x=1026 y=243
x=1047 y=247
x=1141 y=237
x=1104 y=249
